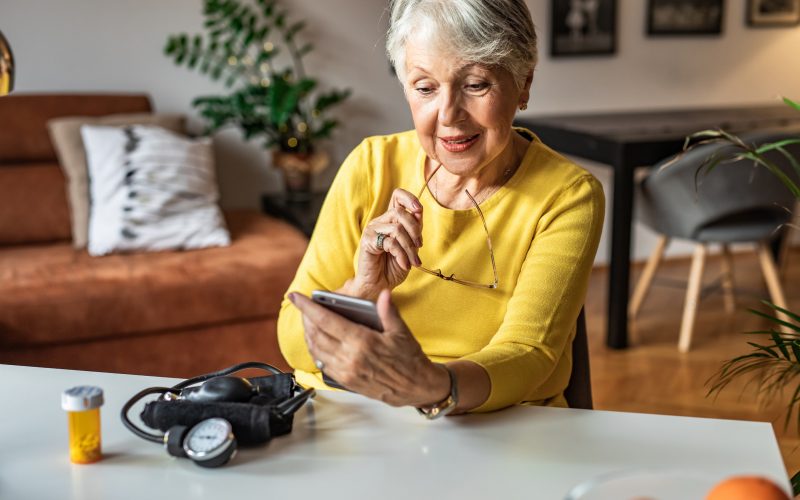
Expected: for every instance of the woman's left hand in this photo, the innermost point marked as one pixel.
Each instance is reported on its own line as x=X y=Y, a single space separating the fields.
x=388 y=366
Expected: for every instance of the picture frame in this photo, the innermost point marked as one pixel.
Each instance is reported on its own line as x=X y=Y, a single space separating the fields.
x=773 y=13
x=685 y=17
x=583 y=28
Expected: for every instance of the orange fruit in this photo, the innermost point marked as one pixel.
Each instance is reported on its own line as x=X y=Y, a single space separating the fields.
x=746 y=488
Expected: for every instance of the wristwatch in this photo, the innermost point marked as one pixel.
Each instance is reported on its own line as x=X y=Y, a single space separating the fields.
x=445 y=406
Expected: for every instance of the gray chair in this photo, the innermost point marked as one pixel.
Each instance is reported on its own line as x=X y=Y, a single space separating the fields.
x=579 y=390
x=736 y=202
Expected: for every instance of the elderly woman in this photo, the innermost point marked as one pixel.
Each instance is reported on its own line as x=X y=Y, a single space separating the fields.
x=475 y=239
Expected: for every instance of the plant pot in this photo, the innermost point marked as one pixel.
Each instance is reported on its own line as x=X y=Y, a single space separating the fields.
x=297 y=184
x=298 y=170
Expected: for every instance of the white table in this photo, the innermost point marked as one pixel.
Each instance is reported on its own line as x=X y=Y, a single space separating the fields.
x=346 y=446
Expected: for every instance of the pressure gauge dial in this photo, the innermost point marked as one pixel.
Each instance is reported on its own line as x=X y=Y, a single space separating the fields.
x=210 y=443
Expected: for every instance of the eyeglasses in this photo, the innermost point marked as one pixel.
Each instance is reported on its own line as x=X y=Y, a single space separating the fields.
x=438 y=272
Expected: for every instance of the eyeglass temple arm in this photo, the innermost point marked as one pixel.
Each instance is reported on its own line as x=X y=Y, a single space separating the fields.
x=488 y=238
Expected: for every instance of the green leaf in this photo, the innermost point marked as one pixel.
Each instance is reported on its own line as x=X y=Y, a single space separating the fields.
x=229 y=8
x=171 y=46
x=775 y=320
x=776 y=171
x=269 y=8
x=792 y=160
x=796 y=484
x=795 y=344
x=305 y=49
x=704 y=134
x=764 y=348
x=780 y=343
x=294 y=30
x=279 y=91
x=326 y=129
x=776 y=145
x=792 y=103
x=792 y=402
x=306 y=85
x=790 y=314
x=324 y=101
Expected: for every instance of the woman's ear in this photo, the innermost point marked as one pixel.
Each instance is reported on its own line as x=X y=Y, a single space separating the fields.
x=525 y=92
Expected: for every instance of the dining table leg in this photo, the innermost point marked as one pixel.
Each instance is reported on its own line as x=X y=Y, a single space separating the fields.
x=620 y=262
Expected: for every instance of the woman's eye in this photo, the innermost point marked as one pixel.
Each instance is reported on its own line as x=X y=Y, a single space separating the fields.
x=424 y=90
x=477 y=87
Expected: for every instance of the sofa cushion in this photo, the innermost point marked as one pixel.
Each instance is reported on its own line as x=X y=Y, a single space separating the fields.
x=34 y=204
x=24 y=141
x=151 y=189
x=29 y=140
x=66 y=135
x=56 y=294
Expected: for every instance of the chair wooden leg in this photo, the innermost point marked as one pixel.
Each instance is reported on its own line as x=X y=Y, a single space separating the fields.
x=770 y=270
x=692 y=297
x=727 y=279
x=643 y=285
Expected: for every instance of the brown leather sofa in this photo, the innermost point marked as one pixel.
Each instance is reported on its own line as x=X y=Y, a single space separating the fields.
x=166 y=313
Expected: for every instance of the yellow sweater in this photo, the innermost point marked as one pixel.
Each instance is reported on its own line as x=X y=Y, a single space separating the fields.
x=545 y=224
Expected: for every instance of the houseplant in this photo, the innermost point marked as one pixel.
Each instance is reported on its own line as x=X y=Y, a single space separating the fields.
x=276 y=104
x=774 y=362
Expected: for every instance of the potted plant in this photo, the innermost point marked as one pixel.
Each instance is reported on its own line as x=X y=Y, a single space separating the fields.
x=774 y=362
x=277 y=105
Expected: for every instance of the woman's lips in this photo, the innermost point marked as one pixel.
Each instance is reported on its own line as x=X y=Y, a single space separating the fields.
x=458 y=143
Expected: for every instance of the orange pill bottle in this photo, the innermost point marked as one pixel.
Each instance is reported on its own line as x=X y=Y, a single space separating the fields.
x=82 y=404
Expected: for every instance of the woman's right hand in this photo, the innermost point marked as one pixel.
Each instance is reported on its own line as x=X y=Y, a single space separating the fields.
x=387 y=267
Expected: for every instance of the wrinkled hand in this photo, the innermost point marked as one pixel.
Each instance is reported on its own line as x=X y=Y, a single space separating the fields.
x=378 y=268
x=388 y=366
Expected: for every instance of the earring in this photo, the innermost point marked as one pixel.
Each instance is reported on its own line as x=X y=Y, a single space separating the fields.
x=523 y=106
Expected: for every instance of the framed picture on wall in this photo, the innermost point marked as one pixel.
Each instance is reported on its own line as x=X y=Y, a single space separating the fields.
x=773 y=13
x=684 y=17
x=583 y=27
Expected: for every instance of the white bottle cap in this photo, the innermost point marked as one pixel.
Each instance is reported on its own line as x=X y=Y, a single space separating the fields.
x=81 y=398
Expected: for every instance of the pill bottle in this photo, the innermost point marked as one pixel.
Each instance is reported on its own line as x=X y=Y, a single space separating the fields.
x=82 y=404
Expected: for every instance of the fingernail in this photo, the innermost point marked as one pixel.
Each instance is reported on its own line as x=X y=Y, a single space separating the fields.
x=417 y=261
x=418 y=242
x=291 y=297
x=416 y=205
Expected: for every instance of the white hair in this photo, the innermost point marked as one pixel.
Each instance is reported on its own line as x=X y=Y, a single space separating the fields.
x=486 y=32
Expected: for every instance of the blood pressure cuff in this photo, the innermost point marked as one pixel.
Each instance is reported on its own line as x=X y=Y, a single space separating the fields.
x=254 y=422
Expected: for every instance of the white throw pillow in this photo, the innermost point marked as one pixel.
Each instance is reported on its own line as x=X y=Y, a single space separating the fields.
x=150 y=189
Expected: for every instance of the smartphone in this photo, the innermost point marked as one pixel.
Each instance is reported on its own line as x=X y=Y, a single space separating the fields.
x=360 y=311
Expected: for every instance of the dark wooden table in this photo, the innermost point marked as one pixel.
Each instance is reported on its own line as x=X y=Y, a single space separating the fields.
x=301 y=213
x=626 y=141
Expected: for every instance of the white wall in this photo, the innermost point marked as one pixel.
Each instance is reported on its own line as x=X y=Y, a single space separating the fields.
x=102 y=45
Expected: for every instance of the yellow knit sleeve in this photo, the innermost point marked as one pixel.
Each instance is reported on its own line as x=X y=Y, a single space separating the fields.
x=543 y=309
x=329 y=259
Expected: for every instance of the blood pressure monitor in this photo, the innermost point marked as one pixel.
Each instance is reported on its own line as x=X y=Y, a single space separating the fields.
x=210 y=443
x=204 y=418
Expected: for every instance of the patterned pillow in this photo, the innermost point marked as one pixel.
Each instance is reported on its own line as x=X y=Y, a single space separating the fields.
x=150 y=189
x=65 y=134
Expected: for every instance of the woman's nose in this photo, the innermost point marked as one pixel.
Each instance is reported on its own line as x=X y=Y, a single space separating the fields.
x=450 y=110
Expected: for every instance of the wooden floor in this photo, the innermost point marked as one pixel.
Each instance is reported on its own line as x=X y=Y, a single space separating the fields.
x=653 y=377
